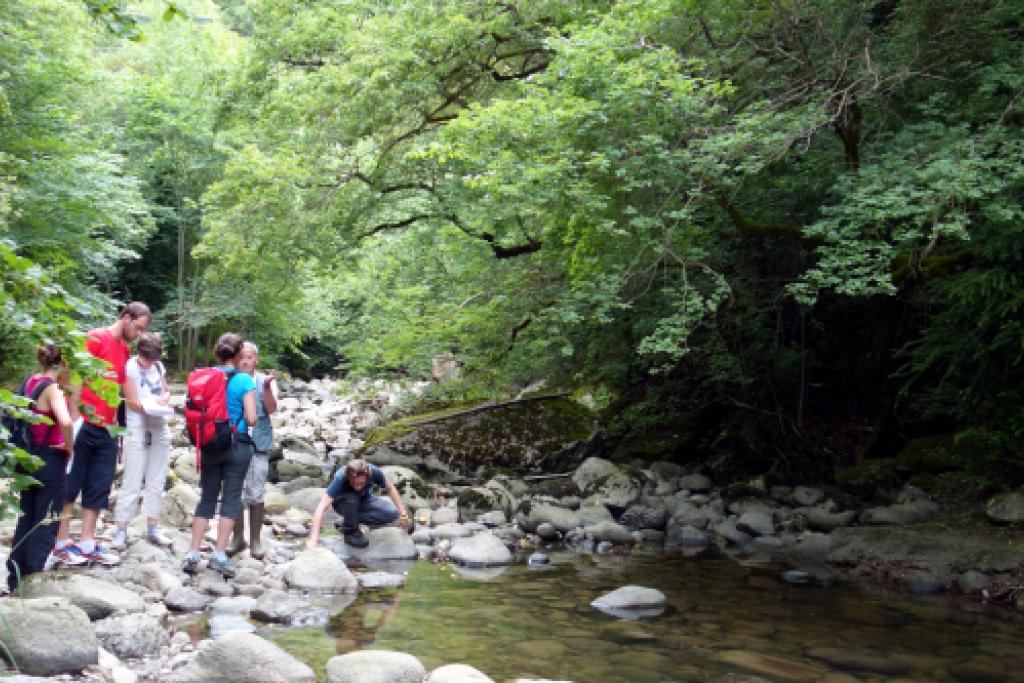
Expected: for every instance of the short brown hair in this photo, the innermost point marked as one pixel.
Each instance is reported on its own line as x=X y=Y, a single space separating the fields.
x=228 y=346
x=357 y=466
x=136 y=310
x=150 y=345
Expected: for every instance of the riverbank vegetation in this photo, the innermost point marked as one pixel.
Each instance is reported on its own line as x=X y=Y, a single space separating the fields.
x=786 y=236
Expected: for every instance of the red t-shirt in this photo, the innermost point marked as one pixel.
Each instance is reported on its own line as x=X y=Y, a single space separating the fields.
x=101 y=343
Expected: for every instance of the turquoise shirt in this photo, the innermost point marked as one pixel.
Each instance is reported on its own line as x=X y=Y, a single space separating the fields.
x=238 y=386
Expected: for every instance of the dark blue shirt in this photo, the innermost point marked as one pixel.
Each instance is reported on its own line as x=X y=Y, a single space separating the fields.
x=340 y=484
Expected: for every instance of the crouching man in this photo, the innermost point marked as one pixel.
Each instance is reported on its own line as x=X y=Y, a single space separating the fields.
x=351 y=495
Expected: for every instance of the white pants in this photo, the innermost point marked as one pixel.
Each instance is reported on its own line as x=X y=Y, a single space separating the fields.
x=143 y=464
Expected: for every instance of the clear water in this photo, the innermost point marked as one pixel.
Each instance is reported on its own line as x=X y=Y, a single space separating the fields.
x=725 y=622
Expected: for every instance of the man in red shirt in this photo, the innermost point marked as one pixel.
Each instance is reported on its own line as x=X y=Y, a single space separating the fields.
x=95 y=451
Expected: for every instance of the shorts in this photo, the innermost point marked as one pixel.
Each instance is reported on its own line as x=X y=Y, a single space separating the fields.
x=254 y=486
x=92 y=470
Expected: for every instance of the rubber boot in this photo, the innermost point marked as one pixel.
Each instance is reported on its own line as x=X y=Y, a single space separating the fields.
x=255 y=527
x=237 y=543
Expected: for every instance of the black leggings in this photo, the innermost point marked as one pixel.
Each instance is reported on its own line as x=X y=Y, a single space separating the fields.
x=228 y=470
x=33 y=539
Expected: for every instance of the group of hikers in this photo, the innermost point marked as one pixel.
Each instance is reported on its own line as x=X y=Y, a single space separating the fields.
x=83 y=461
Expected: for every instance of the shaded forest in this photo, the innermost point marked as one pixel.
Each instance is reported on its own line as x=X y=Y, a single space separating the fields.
x=783 y=237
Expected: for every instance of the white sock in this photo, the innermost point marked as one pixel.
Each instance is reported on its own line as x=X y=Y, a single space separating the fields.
x=87 y=546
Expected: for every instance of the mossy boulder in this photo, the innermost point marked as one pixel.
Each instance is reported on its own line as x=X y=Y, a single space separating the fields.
x=547 y=435
x=930 y=454
x=868 y=477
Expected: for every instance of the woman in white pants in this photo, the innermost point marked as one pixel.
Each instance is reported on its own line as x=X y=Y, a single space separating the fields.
x=147 y=445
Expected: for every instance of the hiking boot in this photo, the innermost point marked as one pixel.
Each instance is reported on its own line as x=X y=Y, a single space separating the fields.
x=158 y=538
x=222 y=567
x=120 y=541
x=190 y=565
x=104 y=557
x=357 y=539
x=70 y=556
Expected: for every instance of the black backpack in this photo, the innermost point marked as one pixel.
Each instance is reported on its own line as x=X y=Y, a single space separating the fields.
x=18 y=433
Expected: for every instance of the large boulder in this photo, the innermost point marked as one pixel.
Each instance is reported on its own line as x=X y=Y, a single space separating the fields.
x=547 y=435
x=48 y=636
x=480 y=550
x=1006 y=509
x=561 y=518
x=242 y=658
x=321 y=570
x=375 y=666
x=132 y=636
x=95 y=597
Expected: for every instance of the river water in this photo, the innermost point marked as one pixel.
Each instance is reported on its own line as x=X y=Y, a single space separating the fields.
x=725 y=622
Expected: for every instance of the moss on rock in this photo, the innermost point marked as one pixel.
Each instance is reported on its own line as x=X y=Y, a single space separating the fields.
x=531 y=436
x=867 y=477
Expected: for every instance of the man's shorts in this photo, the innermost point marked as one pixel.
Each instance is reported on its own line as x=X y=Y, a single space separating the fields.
x=254 y=486
x=92 y=470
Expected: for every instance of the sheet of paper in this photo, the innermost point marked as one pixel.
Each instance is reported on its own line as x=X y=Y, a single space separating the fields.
x=151 y=407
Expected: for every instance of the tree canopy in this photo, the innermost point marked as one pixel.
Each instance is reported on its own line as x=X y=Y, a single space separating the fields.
x=792 y=223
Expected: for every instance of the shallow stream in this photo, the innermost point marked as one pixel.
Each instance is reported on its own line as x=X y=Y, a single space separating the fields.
x=725 y=622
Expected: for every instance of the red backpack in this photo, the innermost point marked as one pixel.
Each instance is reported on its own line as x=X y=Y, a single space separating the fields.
x=206 y=411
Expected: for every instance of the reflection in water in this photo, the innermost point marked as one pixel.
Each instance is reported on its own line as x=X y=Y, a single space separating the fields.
x=722 y=619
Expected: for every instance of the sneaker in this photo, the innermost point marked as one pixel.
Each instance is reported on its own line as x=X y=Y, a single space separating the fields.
x=190 y=565
x=104 y=557
x=158 y=538
x=70 y=556
x=222 y=567
x=357 y=539
x=120 y=541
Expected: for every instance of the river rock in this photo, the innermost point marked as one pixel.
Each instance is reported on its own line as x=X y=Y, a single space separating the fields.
x=155 y=578
x=178 y=505
x=695 y=483
x=726 y=530
x=132 y=636
x=913 y=512
x=822 y=519
x=457 y=673
x=810 y=547
x=48 y=636
x=242 y=604
x=242 y=658
x=593 y=473
x=494 y=518
x=756 y=523
x=321 y=570
x=279 y=607
x=450 y=531
x=275 y=502
x=375 y=666
x=685 y=537
x=547 y=531
x=611 y=532
x=389 y=543
x=806 y=495
x=306 y=499
x=444 y=515
x=371 y=580
x=481 y=550
x=594 y=514
x=95 y=597
x=185 y=599
x=1006 y=509
x=560 y=518
x=631 y=597
x=646 y=514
